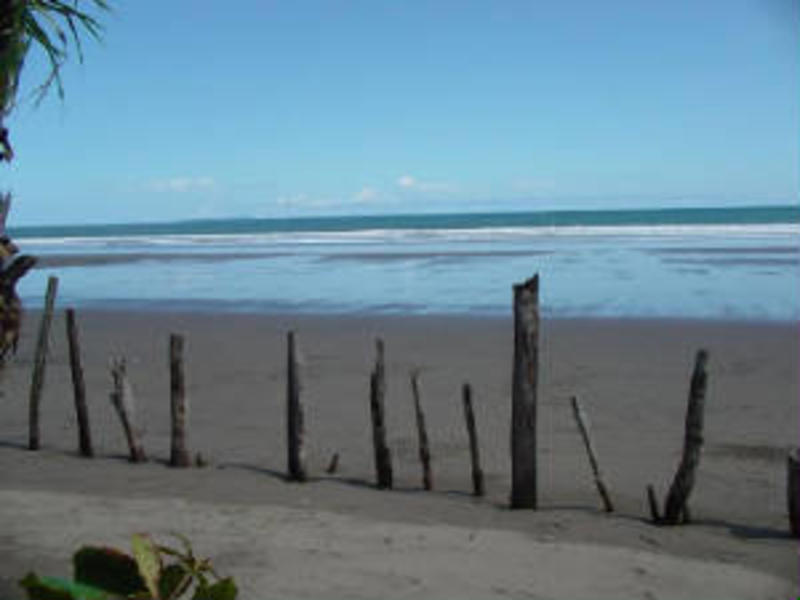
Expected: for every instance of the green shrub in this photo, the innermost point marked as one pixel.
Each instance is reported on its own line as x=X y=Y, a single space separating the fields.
x=150 y=572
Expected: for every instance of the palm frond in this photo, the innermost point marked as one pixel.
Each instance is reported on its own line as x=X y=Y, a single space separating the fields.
x=52 y=26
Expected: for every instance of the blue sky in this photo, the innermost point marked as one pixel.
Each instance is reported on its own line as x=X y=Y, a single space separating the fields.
x=204 y=109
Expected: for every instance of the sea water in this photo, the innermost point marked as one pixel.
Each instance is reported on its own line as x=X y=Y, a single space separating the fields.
x=724 y=263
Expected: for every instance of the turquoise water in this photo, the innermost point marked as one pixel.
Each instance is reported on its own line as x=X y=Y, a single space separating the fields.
x=674 y=216
x=737 y=263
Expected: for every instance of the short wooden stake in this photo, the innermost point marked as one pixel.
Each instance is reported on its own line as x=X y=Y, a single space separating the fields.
x=333 y=465
x=422 y=434
x=179 y=455
x=40 y=362
x=793 y=491
x=123 y=400
x=295 y=431
x=683 y=482
x=652 y=501
x=469 y=416
x=78 y=386
x=583 y=427
x=525 y=378
x=377 y=393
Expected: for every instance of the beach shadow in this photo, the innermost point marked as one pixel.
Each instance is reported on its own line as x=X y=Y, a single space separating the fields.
x=279 y=475
x=14 y=445
x=748 y=532
x=467 y=495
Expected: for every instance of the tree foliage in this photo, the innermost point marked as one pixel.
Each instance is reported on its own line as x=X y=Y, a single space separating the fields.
x=52 y=26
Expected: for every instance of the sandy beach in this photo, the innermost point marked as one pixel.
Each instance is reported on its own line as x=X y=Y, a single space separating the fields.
x=337 y=536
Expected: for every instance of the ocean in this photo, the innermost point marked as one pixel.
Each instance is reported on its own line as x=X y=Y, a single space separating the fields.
x=718 y=263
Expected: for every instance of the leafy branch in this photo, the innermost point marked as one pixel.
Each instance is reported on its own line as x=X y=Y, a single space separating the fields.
x=50 y=25
x=152 y=572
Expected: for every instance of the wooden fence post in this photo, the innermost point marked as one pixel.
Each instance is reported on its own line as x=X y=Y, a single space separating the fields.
x=123 y=400
x=525 y=379
x=78 y=386
x=377 y=393
x=583 y=427
x=295 y=431
x=40 y=362
x=475 y=459
x=682 y=484
x=422 y=434
x=179 y=455
x=793 y=490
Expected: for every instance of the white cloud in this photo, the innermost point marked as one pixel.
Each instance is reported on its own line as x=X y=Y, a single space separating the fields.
x=407 y=182
x=303 y=201
x=182 y=184
x=365 y=195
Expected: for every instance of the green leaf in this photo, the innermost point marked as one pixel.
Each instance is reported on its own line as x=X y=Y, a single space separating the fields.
x=149 y=562
x=174 y=581
x=224 y=589
x=55 y=588
x=108 y=569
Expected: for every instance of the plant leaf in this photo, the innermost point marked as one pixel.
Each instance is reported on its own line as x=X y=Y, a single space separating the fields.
x=174 y=581
x=149 y=562
x=224 y=589
x=55 y=588
x=108 y=569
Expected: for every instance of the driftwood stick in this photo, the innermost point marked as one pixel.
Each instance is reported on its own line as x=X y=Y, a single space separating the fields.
x=333 y=465
x=475 y=458
x=693 y=441
x=793 y=490
x=5 y=208
x=78 y=386
x=295 y=431
x=377 y=393
x=179 y=455
x=123 y=400
x=583 y=427
x=652 y=501
x=422 y=434
x=40 y=362
x=525 y=379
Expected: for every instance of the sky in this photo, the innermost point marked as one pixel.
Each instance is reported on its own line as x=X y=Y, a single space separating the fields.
x=208 y=109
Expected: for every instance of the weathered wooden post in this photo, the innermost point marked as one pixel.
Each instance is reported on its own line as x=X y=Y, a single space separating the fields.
x=652 y=503
x=179 y=455
x=525 y=380
x=40 y=362
x=377 y=393
x=674 y=511
x=422 y=434
x=78 y=386
x=123 y=400
x=295 y=431
x=475 y=459
x=333 y=465
x=793 y=490
x=583 y=427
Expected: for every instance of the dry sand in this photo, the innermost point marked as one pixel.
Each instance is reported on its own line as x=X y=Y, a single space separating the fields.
x=337 y=536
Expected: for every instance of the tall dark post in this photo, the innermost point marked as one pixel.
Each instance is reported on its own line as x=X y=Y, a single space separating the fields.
x=692 y=443
x=525 y=380
x=377 y=393
x=294 y=414
x=793 y=490
x=40 y=362
x=78 y=386
x=469 y=416
x=179 y=455
x=422 y=434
